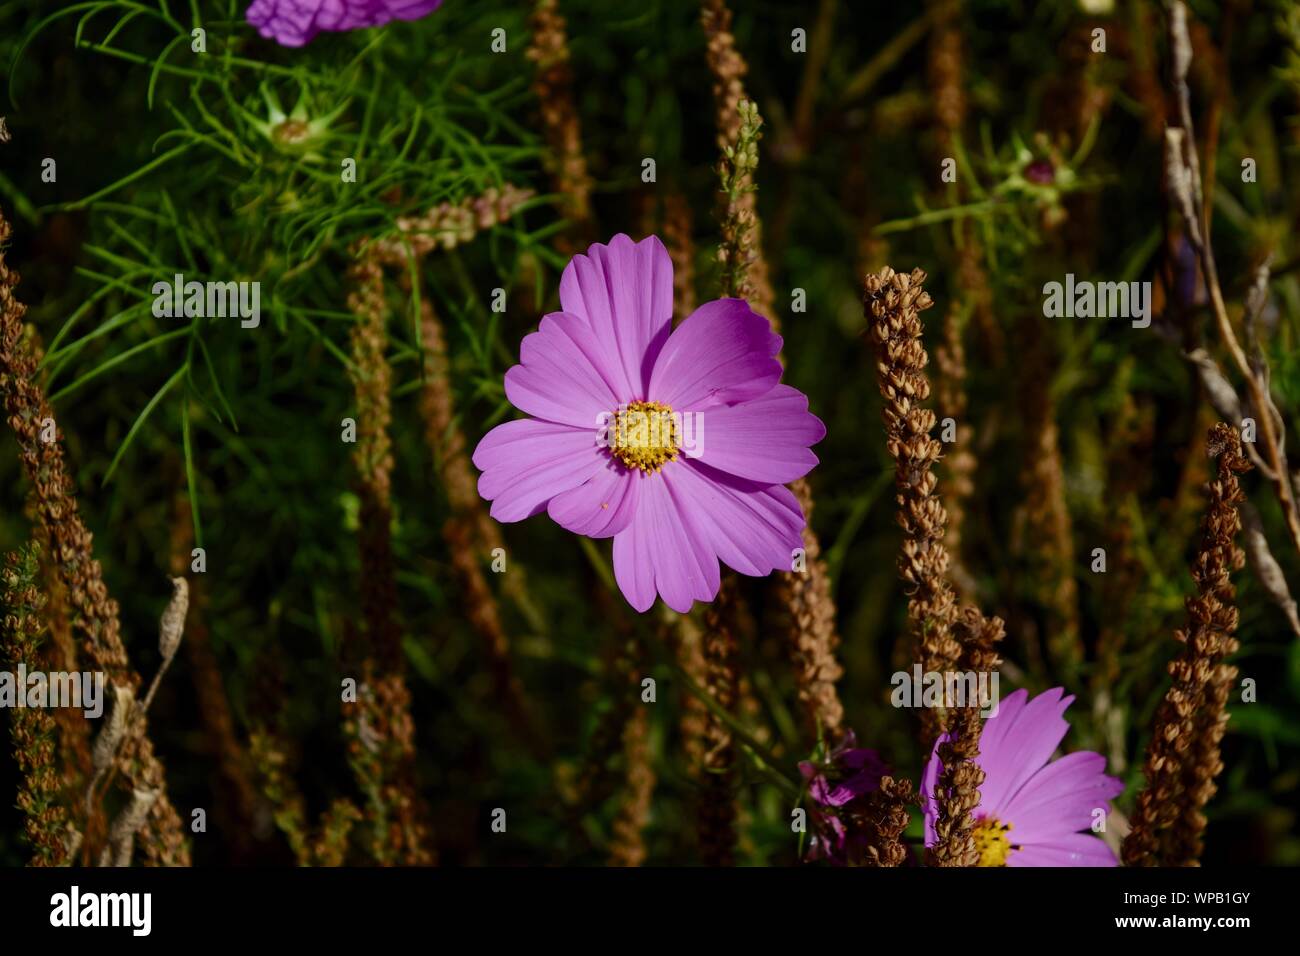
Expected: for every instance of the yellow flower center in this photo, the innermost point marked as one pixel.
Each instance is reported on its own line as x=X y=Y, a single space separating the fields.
x=992 y=842
x=644 y=435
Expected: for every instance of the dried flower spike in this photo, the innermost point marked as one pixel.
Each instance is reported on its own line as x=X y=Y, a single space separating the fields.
x=172 y=625
x=1182 y=760
x=553 y=84
x=893 y=304
x=95 y=613
x=33 y=731
x=379 y=727
x=113 y=732
x=738 y=124
x=121 y=835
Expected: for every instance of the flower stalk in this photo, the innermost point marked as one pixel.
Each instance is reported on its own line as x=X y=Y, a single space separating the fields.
x=95 y=613
x=893 y=306
x=553 y=84
x=32 y=731
x=1182 y=759
x=378 y=725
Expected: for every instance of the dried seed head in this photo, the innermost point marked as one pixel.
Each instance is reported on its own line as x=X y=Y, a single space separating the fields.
x=111 y=735
x=1182 y=759
x=121 y=835
x=892 y=305
x=886 y=820
x=172 y=625
x=553 y=83
x=132 y=817
x=94 y=614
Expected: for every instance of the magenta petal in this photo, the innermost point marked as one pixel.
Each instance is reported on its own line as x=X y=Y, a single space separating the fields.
x=602 y=506
x=1074 y=849
x=1019 y=741
x=1045 y=805
x=929 y=783
x=665 y=550
x=866 y=780
x=526 y=463
x=819 y=790
x=995 y=727
x=624 y=292
x=634 y=565
x=750 y=526
x=1061 y=798
x=766 y=439
x=724 y=352
x=296 y=22
x=562 y=376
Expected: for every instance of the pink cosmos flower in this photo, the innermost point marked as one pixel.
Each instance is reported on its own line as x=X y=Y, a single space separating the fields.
x=675 y=443
x=1031 y=811
x=296 y=22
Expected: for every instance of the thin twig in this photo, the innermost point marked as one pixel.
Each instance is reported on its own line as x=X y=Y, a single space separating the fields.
x=1184 y=168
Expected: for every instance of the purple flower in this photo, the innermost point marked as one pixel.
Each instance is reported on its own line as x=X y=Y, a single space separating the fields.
x=1031 y=811
x=836 y=784
x=675 y=443
x=849 y=772
x=1040 y=171
x=296 y=22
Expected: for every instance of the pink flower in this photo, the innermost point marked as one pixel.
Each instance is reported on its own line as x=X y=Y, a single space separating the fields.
x=846 y=773
x=1031 y=811
x=838 y=783
x=675 y=443
x=296 y=22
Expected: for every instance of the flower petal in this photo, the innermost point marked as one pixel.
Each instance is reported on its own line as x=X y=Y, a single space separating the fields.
x=766 y=439
x=752 y=527
x=296 y=22
x=866 y=780
x=724 y=352
x=1060 y=799
x=1014 y=746
x=1075 y=849
x=996 y=727
x=526 y=463
x=929 y=783
x=624 y=291
x=665 y=550
x=1016 y=743
x=562 y=377
x=602 y=506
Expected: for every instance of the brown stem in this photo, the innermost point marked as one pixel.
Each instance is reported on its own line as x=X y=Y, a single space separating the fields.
x=1193 y=206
